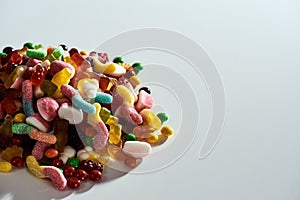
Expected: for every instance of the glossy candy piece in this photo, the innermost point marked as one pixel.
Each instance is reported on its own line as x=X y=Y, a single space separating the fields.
x=48 y=88
x=10 y=152
x=167 y=131
x=39 y=73
x=56 y=54
x=36 y=53
x=151 y=119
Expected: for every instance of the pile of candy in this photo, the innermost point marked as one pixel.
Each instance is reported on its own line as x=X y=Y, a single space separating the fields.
x=67 y=114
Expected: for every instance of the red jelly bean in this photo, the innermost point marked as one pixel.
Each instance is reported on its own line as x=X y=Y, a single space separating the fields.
x=17 y=161
x=16 y=141
x=73 y=182
x=69 y=171
x=95 y=175
x=81 y=174
x=57 y=163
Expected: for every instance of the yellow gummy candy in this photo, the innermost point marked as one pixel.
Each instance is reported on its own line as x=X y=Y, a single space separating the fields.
x=135 y=81
x=106 y=68
x=115 y=133
x=5 y=166
x=94 y=118
x=125 y=93
x=60 y=78
x=151 y=119
x=152 y=138
x=34 y=167
x=11 y=152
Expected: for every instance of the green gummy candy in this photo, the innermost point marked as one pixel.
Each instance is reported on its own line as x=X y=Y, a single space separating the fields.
x=29 y=45
x=104 y=114
x=2 y=54
x=118 y=60
x=48 y=87
x=21 y=128
x=36 y=53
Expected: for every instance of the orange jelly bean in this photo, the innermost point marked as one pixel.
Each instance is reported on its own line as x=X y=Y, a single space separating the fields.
x=51 y=153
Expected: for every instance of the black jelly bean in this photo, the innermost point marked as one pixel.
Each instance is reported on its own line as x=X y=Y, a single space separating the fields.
x=146 y=89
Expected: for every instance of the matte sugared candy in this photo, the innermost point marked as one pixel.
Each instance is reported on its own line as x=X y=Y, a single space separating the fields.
x=48 y=108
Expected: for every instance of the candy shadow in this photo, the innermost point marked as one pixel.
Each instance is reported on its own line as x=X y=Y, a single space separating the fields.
x=20 y=185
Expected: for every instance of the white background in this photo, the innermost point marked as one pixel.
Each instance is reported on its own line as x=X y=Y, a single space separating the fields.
x=256 y=48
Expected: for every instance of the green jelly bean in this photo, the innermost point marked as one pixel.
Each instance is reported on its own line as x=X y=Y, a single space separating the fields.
x=137 y=67
x=130 y=137
x=36 y=53
x=163 y=117
x=21 y=128
x=118 y=60
x=73 y=162
x=89 y=141
x=2 y=54
x=104 y=114
x=29 y=45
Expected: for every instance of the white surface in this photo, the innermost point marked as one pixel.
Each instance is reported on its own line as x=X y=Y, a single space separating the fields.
x=254 y=44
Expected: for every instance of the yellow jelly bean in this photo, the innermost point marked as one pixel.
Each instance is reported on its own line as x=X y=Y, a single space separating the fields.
x=94 y=118
x=151 y=119
x=5 y=166
x=152 y=138
x=88 y=87
x=167 y=131
x=84 y=52
x=34 y=167
x=60 y=78
x=19 y=118
x=126 y=94
x=161 y=139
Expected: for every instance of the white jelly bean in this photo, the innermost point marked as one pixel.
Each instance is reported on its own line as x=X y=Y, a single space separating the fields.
x=137 y=149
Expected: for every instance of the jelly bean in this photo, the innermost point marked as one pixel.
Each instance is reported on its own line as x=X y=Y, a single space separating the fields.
x=2 y=54
x=76 y=99
x=56 y=176
x=17 y=161
x=167 y=131
x=48 y=108
x=95 y=175
x=60 y=78
x=163 y=117
x=37 y=121
x=34 y=167
x=64 y=47
x=118 y=60
x=137 y=67
x=51 y=153
x=36 y=53
x=73 y=162
x=10 y=152
x=27 y=97
x=146 y=89
x=130 y=137
x=70 y=113
x=5 y=166
x=102 y=97
x=29 y=45
x=39 y=149
x=152 y=138
x=137 y=149
x=57 y=163
x=160 y=140
x=145 y=101
x=73 y=182
x=60 y=129
x=88 y=88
